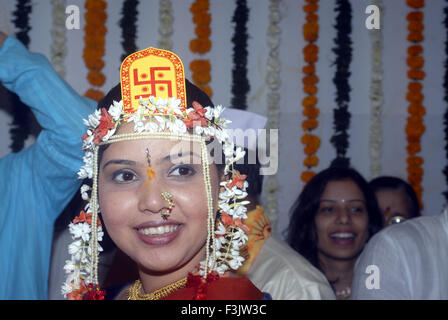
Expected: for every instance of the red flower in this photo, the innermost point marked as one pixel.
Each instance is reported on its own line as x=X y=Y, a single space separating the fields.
x=85 y=217
x=106 y=123
x=196 y=117
x=237 y=180
x=94 y=293
x=78 y=294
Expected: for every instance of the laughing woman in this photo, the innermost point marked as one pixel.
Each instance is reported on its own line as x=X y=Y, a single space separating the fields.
x=166 y=201
x=332 y=219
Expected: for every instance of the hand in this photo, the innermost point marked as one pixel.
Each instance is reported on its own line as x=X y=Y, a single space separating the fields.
x=3 y=37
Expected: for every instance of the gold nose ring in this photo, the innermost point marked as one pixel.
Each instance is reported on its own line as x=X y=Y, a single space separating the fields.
x=168 y=197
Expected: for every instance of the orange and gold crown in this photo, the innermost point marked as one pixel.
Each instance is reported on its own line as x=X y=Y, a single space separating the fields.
x=151 y=72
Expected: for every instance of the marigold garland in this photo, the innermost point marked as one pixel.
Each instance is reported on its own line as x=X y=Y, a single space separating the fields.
x=311 y=142
x=201 y=68
x=445 y=116
x=343 y=53
x=21 y=124
x=94 y=38
x=415 y=127
x=240 y=82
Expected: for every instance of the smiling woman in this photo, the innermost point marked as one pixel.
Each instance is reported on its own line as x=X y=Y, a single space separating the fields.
x=161 y=194
x=332 y=219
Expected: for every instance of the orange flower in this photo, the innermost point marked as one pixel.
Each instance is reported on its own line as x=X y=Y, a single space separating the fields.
x=96 y=78
x=413 y=148
x=416 y=26
x=311 y=112
x=309 y=69
x=310 y=79
x=311 y=31
x=312 y=17
x=415 y=86
x=309 y=101
x=309 y=124
x=94 y=94
x=414 y=97
x=415 y=62
x=306 y=176
x=415 y=50
x=415 y=16
x=416 y=4
x=310 y=89
x=310 y=52
x=415 y=36
x=414 y=161
x=237 y=180
x=311 y=7
x=416 y=74
x=201 y=45
x=311 y=161
x=417 y=109
x=226 y=219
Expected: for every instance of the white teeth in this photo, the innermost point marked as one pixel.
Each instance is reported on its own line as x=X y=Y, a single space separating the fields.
x=343 y=235
x=158 y=230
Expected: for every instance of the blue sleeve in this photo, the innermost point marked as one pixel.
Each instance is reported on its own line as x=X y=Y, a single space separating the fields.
x=47 y=170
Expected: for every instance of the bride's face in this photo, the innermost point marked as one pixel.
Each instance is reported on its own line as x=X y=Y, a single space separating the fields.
x=131 y=202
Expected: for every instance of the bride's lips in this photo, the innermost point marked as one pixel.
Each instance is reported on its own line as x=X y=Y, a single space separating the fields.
x=158 y=232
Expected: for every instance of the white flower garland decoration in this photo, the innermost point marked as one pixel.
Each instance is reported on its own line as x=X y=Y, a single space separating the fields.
x=273 y=99
x=165 y=24
x=58 y=40
x=230 y=233
x=376 y=98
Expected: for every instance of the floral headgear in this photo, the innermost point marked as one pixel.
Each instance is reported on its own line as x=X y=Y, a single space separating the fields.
x=153 y=88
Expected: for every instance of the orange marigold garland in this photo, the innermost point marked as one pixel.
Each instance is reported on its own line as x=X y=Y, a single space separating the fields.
x=201 y=68
x=95 y=31
x=310 y=51
x=415 y=127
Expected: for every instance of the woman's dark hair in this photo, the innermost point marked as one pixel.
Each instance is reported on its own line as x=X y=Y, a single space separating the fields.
x=394 y=183
x=301 y=234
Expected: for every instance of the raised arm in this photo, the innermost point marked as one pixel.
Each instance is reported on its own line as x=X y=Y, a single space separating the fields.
x=52 y=162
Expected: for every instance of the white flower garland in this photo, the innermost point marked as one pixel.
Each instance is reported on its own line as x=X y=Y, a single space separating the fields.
x=164 y=114
x=273 y=99
x=58 y=40
x=165 y=24
x=376 y=98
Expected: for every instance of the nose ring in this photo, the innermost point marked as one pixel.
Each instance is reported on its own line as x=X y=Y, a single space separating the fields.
x=168 y=197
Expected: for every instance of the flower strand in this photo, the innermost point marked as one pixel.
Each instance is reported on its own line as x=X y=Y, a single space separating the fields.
x=414 y=126
x=202 y=44
x=311 y=142
x=343 y=51
x=94 y=38
x=240 y=82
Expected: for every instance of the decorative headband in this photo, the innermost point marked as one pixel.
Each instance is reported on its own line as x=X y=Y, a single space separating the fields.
x=154 y=99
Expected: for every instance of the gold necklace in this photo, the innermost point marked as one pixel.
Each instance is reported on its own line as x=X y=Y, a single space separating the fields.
x=135 y=291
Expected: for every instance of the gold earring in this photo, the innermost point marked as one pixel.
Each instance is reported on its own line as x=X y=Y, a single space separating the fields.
x=169 y=198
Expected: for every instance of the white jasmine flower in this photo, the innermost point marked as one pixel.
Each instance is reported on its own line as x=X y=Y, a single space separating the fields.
x=80 y=230
x=84 y=189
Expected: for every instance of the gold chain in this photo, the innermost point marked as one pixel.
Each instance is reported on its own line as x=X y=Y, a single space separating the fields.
x=135 y=291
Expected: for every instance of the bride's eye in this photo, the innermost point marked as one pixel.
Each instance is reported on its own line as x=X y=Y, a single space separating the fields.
x=182 y=171
x=124 y=176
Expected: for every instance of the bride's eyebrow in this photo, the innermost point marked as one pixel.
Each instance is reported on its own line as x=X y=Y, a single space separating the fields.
x=120 y=161
x=176 y=156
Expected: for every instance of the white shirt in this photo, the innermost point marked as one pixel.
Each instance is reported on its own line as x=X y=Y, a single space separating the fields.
x=286 y=275
x=412 y=261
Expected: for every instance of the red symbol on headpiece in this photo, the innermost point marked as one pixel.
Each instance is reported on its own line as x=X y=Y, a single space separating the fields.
x=152 y=82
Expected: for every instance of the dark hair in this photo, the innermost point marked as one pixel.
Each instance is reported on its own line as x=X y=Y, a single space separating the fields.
x=252 y=171
x=301 y=234
x=394 y=183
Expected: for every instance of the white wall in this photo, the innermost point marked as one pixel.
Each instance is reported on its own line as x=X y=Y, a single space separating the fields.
x=291 y=156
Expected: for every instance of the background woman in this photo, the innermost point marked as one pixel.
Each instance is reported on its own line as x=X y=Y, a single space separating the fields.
x=396 y=199
x=332 y=219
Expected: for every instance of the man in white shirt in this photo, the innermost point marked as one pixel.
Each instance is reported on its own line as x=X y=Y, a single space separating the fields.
x=405 y=261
